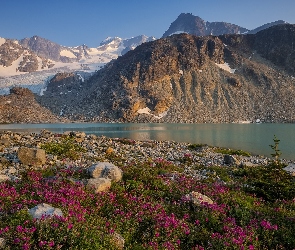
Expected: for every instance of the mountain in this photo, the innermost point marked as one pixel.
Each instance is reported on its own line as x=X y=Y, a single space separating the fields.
x=83 y=54
x=194 y=25
x=42 y=59
x=15 y=59
x=265 y=26
x=186 y=78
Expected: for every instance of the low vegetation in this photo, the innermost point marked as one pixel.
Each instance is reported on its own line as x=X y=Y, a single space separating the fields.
x=232 y=152
x=67 y=147
x=253 y=207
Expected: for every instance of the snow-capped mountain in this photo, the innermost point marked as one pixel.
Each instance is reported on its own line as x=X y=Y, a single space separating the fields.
x=38 y=54
x=31 y=62
x=16 y=59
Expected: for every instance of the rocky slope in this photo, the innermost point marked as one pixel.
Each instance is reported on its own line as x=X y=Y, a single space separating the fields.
x=21 y=107
x=194 y=25
x=185 y=78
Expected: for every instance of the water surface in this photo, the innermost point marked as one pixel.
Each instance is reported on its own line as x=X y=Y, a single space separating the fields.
x=254 y=138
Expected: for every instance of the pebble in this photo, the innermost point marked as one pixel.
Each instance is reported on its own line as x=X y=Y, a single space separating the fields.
x=125 y=152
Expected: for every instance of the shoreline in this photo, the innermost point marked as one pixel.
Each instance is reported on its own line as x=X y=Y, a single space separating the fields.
x=119 y=151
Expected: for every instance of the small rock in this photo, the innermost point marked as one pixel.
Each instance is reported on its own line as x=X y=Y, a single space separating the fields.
x=5 y=142
x=4 y=161
x=45 y=133
x=11 y=171
x=198 y=198
x=31 y=156
x=109 y=150
x=44 y=210
x=290 y=169
x=99 y=184
x=17 y=137
x=80 y=134
x=247 y=164
x=105 y=170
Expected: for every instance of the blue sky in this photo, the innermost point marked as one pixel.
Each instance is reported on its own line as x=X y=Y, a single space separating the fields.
x=76 y=22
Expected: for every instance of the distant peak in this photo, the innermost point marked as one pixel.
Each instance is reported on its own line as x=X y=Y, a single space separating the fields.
x=194 y=25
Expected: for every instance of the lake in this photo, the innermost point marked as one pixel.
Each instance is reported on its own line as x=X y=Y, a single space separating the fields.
x=254 y=138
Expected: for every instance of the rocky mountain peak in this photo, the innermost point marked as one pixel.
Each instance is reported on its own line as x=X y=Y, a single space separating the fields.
x=194 y=25
x=42 y=47
x=267 y=25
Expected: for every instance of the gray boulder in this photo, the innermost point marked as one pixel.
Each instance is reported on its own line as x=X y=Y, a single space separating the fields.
x=105 y=170
x=44 y=210
x=31 y=156
x=230 y=160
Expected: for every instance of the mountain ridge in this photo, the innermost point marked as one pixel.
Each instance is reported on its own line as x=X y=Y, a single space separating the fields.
x=186 y=78
x=194 y=25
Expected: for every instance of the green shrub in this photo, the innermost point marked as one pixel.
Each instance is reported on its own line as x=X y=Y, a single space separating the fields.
x=67 y=147
x=196 y=146
x=232 y=152
x=269 y=182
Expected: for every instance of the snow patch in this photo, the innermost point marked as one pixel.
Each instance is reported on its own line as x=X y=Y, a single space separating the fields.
x=42 y=91
x=177 y=32
x=81 y=77
x=144 y=111
x=147 y=111
x=225 y=66
x=67 y=53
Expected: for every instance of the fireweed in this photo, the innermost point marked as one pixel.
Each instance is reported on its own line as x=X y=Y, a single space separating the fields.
x=149 y=209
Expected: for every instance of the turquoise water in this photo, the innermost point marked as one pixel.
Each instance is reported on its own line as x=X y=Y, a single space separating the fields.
x=254 y=138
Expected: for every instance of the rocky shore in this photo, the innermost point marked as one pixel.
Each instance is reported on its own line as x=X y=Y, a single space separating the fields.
x=118 y=151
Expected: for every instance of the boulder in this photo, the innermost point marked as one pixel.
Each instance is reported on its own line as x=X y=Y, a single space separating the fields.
x=17 y=137
x=105 y=170
x=290 y=169
x=44 y=210
x=247 y=164
x=80 y=136
x=3 y=178
x=230 y=160
x=31 y=156
x=198 y=198
x=99 y=184
x=118 y=240
x=46 y=133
